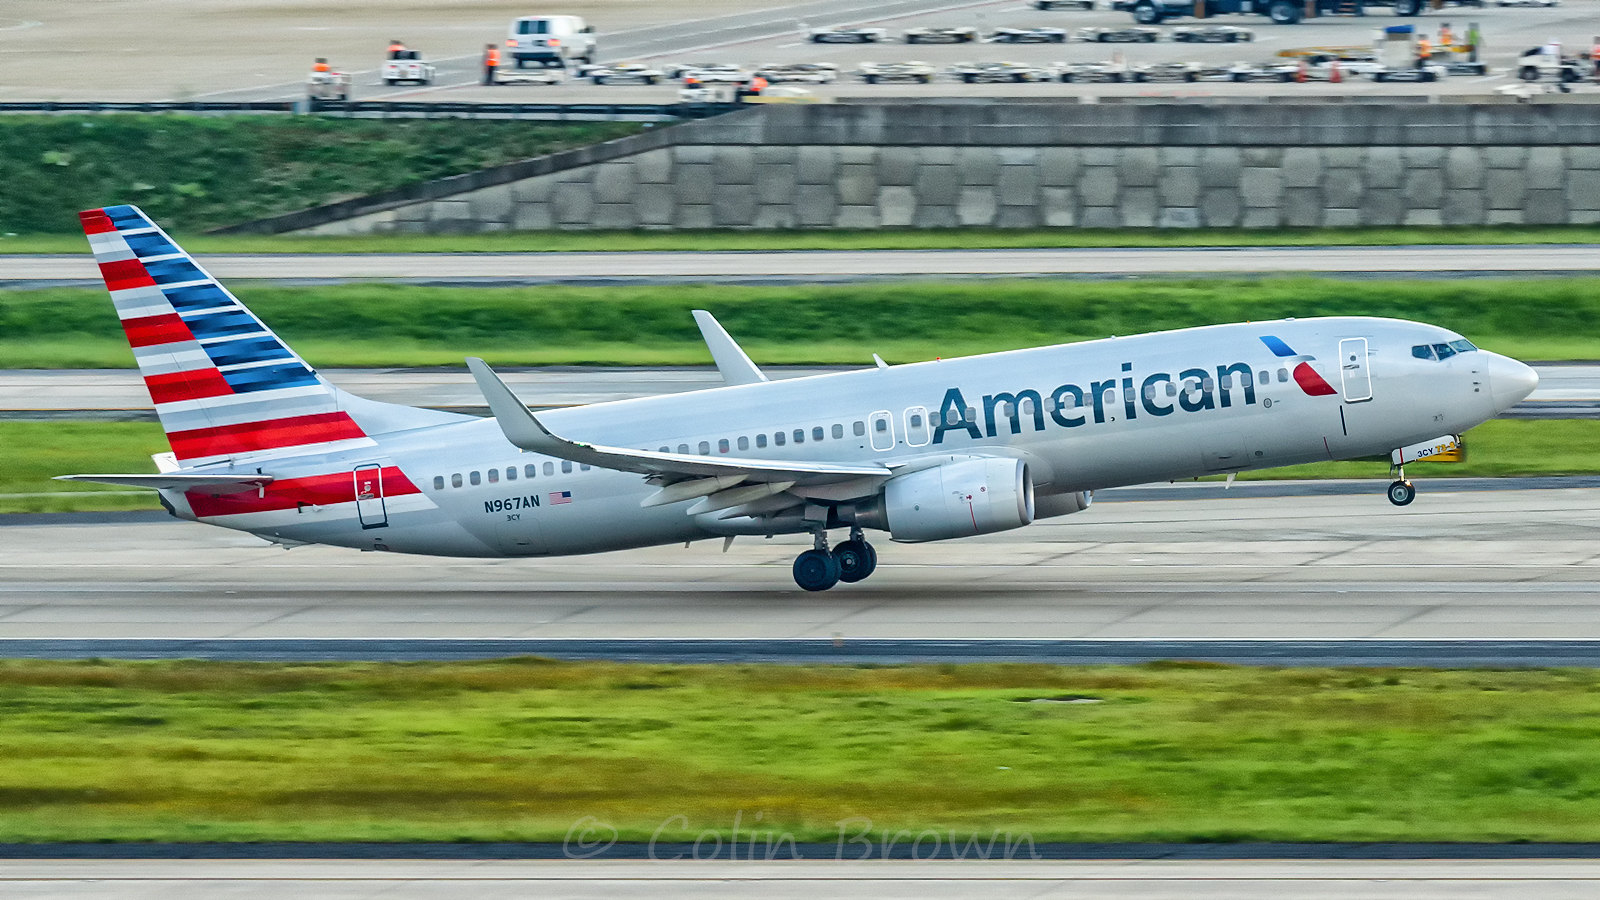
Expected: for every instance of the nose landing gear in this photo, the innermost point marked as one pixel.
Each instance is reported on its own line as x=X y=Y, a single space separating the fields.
x=818 y=569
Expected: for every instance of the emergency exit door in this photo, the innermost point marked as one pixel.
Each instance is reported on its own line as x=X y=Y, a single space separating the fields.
x=1353 y=370
x=368 y=484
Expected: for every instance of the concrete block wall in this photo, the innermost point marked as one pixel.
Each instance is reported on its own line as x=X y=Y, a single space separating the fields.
x=757 y=172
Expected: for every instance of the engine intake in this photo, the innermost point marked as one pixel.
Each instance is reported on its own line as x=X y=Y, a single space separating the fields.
x=959 y=499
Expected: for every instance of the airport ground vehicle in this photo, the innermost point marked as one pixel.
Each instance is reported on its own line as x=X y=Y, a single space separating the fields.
x=551 y=41
x=623 y=73
x=1028 y=36
x=328 y=86
x=956 y=35
x=1282 y=12
x=799 y=73
x=709 y=72
x=1118 y=35
x=407 y=66
x=913 y=71
x=997 y=72
x=846 y=35
x=1093 y=72
x=1211 y=34
x=1080 y=5
x=263 y=443
x=1547 y=62
x=1169 y=71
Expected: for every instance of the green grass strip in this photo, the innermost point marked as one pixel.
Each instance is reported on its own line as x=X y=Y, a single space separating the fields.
x=32 y=452
x=412 y=325
x=524 y=749
x=842 y=239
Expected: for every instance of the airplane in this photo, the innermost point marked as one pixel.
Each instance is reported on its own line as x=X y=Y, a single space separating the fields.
x=950 y=448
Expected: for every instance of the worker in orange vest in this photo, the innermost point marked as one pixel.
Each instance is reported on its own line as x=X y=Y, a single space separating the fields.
x=395 y=49
x=321 y=65
x=491 y=62
x=1424 y=51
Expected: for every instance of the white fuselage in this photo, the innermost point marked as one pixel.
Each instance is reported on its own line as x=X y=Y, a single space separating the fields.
x=1084 y=416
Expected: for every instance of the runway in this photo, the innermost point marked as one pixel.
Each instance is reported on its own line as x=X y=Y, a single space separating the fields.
x=1456 y=565
x=535 y=268
x=1564 y=391
x=1234 y=880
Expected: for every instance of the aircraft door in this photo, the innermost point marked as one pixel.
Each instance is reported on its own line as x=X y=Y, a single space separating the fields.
x=880 y=428
x=1353 y=370
x=367 y=482
x=917 y=426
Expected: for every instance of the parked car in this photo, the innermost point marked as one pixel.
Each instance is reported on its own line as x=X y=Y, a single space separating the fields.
x=551 y=41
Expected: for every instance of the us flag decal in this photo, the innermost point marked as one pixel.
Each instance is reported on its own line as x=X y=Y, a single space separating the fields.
x=559 y=497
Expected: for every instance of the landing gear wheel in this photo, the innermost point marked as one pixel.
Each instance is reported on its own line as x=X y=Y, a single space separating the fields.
x=1402 y=493
x=856 y=559
x=816 y=570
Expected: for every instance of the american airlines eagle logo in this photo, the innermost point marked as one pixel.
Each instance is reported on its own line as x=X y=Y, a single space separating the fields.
x=1313 y=384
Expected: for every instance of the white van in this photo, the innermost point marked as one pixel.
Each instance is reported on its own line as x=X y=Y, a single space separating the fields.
x=551 y=40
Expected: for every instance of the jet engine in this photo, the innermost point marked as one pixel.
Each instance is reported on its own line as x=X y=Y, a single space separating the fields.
x=1062 y=504
x=959 y=499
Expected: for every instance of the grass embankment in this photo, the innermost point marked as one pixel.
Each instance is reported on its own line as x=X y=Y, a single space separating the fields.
x=411 y=325
x=31 y=453
x=193 y=173
x=523 y=750
x=843 y=239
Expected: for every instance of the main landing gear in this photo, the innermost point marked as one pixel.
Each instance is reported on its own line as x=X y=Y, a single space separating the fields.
x=819 y=569
x=1401 y=492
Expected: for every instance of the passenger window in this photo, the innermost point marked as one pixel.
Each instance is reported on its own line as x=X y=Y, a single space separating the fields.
x=511 y=473
x=860 y=428
x=799 y=435
x=666 y=449
x=474 y=478
x=549 y=468
x=438 y=482
x=777 y=439
x=529 y=470
x=566 y=465
x=1283 y=375
x=684 y=449
x=1172 y=389
x=705 y=448
x=583 y=467
x=1264 y=377
x=722 y=446
x=816 y=433
x=494 y=476
x=972 y=414
x=880 y=425
x=1245 y=379
x=761 y=442
x=1149 y=392
x=455 y=480
x=916 y=420
x=838 y=431
x=744 y=442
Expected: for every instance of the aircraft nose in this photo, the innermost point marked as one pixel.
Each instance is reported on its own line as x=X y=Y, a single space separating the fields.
x=1510 y=382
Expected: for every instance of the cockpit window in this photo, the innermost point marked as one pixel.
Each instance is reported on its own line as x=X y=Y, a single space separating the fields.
x=1442 y=351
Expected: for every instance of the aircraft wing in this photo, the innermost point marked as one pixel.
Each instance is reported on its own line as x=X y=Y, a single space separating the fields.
x=523 y=429
x=221 y=484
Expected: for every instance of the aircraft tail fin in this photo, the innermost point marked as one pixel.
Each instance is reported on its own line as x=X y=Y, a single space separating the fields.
x=225 y=387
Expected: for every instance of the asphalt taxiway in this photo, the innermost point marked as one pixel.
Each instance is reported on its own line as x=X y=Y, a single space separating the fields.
x=804 y=265
x=1458 y=564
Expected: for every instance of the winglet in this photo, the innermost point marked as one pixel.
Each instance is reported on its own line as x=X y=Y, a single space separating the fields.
x=520 y=425
x=731 y=360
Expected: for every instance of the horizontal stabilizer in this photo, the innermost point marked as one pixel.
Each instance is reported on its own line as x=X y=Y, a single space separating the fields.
x=219 y=484
x=523 y=429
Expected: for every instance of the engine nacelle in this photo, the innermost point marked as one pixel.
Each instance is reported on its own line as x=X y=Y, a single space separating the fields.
x=959 y=499
x=1062 y=504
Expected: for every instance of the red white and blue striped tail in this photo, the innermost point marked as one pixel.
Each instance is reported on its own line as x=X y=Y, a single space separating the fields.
x=224 y=386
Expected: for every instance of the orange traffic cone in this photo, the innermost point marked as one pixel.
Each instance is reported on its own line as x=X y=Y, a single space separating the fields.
x=1300 y=73
x=1334 y=74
